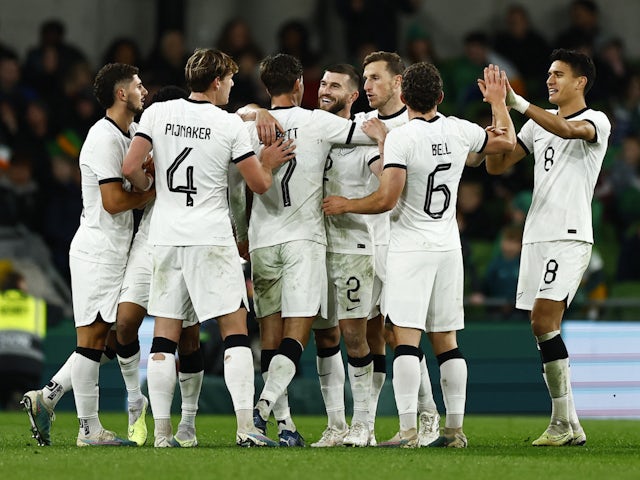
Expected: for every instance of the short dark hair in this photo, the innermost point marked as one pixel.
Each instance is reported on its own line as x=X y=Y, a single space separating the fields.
x=394 y=62
x=108 y=79
x=581 y=64
x=348 y=70
x=279 y=73
x=205 y=65
x=169 y=92
x=421 y=86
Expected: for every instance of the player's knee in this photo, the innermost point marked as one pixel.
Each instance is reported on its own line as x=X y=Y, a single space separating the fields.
x=327 y=337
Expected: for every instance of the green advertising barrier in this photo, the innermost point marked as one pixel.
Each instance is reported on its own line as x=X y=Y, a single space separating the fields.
x=503 y=364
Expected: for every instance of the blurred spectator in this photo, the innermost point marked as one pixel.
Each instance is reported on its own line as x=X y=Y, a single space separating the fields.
x=501 y=277
x=23 y=327
x=584 y=28
x=462 y=73
x=14 y=97
x=525 y=48
x=34 y=138
x=624 y=183
x=123 y=50
x=47 y=64
x=237 y=41
x=62 y=211
x=613 y=70
x=373 y=22
x=479 y=223
x=418 y=46
x=12 y=90
x=21 y=202
x=294 y=39
x=236 y=37
x=628 y=268
x=626 y=112
x=247 y=87
x=165 y=65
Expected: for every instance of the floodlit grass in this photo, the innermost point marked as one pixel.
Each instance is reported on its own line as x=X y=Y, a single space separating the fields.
x=499 y=448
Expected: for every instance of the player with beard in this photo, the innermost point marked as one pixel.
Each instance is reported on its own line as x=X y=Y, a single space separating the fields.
x=425 y=281
x=350 y=274
x=98 y=255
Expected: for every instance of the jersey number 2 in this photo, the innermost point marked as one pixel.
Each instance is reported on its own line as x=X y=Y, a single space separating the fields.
x=189 y=188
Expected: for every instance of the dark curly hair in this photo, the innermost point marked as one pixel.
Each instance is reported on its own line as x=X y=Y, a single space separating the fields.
x=421 y=86
x=108 y=79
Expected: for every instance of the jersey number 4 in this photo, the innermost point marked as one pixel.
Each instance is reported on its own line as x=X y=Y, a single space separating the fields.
x=437 y=188
x=189 y=188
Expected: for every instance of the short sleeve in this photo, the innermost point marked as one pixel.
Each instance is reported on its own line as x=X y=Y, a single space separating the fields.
x=525 y=136
x=395 y=151
x=241 y=145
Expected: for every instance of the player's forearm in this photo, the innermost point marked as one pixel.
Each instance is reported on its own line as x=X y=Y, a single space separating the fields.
x=123 y=201
x=374 y=203
x=502 y=120
x=550 y=122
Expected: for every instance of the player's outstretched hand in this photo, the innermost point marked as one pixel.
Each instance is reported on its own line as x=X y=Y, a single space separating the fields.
x=335 y=205
x=267 y=127
x=277 y=153
x=494 y=84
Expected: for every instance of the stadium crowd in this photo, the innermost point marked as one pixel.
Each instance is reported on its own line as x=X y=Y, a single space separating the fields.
x=47 y=107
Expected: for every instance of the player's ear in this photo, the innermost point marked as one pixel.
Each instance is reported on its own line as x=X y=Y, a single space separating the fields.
x=216 y=83
x=582 y=82
x=440 y=97
x=354 y=96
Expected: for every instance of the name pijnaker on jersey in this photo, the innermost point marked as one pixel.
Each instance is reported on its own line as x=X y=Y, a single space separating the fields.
x=187 y=131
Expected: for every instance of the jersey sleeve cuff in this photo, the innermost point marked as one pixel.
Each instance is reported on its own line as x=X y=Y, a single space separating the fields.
x=524 y=147
x=110 y=180
x=144 y=135
x=395 y=165
x=242 y=157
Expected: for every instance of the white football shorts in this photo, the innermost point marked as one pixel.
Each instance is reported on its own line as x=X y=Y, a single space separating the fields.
x=208 y=278
x=551 y=270
x=424 y=290
x=290 y=278
x=95 y=289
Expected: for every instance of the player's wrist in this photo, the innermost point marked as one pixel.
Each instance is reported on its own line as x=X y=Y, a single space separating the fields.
x=150 y=181
x=518 y=103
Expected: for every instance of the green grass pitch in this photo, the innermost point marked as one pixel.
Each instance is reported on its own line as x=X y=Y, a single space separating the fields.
x=499 y=448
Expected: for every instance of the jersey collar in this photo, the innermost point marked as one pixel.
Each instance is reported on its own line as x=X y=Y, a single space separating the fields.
x=126 y=134
x=425 y=120
x=579 y=112
x=393 y=115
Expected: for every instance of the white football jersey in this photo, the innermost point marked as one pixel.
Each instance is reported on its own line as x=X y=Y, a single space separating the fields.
x=379 y=224
x=564 y=176
x=347 y=174
x=434 y=154
x=291 y=209
x=193 y=145
x=101 y=236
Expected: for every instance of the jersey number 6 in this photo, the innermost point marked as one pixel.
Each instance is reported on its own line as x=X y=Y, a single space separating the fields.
x=438 y=188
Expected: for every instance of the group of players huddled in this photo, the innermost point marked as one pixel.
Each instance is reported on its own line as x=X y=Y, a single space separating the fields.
x=351 y=232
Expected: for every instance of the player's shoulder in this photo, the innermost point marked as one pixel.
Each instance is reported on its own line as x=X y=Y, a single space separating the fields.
x=596 y=115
